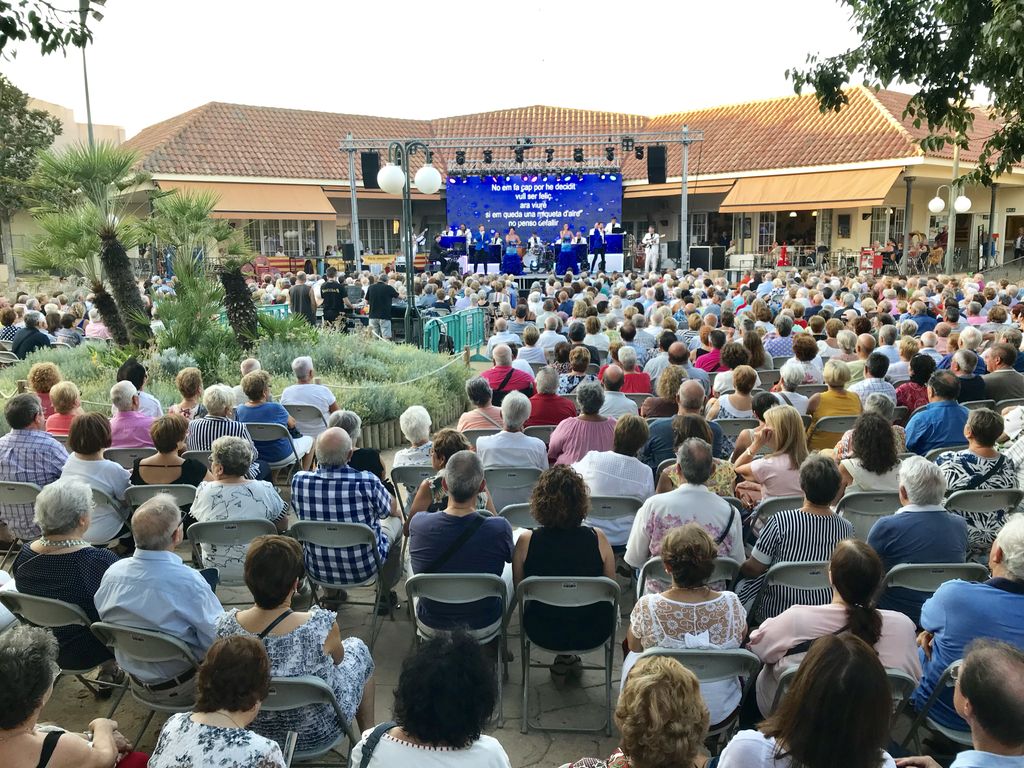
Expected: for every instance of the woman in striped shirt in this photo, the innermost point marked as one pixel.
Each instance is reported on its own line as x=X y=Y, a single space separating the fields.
x=219 y=401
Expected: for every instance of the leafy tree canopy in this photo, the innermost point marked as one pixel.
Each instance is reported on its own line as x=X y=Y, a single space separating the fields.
x=23 y=133
x=952 y=50
x=53 y=28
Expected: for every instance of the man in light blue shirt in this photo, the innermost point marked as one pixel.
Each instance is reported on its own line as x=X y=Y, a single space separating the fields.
x=155 y=590
x=941 y=422
x=988 y=695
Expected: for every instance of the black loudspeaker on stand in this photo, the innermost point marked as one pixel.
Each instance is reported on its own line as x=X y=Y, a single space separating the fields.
x=707 y=257
x=656 y=165
x=370 y=162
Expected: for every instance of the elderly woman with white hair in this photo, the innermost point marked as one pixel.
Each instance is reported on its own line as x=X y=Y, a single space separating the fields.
x=415 y=425
x=62 y=565
x=219 y=402
x=573 y=438
x=791 y=376
x=233 y=496
x=510 y=447
x=96 y=328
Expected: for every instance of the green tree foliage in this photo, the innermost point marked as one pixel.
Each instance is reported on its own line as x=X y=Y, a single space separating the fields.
x=952 y=50
x=23 y=133
x=53 y=28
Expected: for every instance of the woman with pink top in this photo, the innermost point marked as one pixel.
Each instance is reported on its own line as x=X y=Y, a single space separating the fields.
x=575 y=437
x=855 y=573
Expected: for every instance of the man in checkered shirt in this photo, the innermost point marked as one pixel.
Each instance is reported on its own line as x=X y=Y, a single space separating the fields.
x=27 y=455
x=337 y=493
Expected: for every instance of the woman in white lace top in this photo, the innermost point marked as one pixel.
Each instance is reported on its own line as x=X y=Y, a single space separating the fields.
x=689 y=614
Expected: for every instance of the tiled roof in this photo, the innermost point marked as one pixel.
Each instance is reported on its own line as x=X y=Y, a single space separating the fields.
x=219 y=139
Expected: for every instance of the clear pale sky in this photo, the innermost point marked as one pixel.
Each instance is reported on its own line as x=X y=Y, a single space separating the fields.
x=153 y=59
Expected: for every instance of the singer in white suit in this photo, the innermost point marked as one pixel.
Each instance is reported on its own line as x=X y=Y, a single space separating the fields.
x=652 y=250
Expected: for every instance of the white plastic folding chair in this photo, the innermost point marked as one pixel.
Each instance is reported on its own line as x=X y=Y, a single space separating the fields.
x=900 y=413
x=977 y=405
x=726 y=570
x=1008 y=403
x=963 y=738
x=510 y=485
x=638 y=397
x=541 y=432
x=928 y=577
x=459 y=589
x=51 y=613
x=306 y=413
x=769 y=507
x=475 y=434
x=984 y=501
x=518 y=516
x=147 y=646
x=406 y=480
x=864 y=509
x=289 y=693
x=733 y=427
x=127 y=457
x=266 y=432
x=227 y=533
x=613 y=507
x=568 y=592
x=183 y=495
x=712 y=666
x=838 y=424
x=203 y=457
x=344 y=536
x=13 y=494
x=662 y=468
x=811 y=389
x=769 y=378
x=933 y=454
x=8 y=358
x=901 y=685
x=538 y=367
x=787 y=574
x=780 y=360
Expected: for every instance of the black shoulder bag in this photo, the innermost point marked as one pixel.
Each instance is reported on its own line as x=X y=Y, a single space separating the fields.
x=372 y=741
x=472 y=527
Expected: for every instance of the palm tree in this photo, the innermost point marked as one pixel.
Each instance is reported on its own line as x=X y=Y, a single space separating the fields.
x=70 y=244
x=183 y=220
x=100 y=179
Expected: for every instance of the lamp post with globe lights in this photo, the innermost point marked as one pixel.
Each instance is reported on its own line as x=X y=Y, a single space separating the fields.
x=958 y=203
x=393 y=178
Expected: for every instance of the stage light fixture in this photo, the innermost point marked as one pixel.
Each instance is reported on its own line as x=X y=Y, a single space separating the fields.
x=519 y=154
x=460 y=157
x=609 y=153
x=488 y=156
x=627 y=143
x=639 y=153
x=549 y=154
x=577 y=155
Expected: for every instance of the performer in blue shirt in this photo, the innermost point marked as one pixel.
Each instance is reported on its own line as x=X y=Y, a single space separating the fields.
x=479 y=249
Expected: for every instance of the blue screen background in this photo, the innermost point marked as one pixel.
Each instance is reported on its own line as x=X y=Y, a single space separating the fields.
x=534 y=203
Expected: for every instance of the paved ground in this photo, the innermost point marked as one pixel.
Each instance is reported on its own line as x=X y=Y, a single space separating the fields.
x=573 y=704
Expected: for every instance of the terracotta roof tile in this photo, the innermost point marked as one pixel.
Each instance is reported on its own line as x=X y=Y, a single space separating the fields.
x=219 y=139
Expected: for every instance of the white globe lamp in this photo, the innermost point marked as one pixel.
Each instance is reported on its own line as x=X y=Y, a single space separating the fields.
x=428 y=180
x=391 y=179
x=936 y=204
x=962 y=204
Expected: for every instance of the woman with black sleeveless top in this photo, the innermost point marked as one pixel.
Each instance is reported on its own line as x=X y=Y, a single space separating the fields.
x=563 y=546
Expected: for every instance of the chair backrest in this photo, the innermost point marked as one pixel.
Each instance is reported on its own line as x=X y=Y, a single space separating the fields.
x=537 y=367
x=984 y=500
x=713 y=665
x=456 y=588
x=638 y=397
x=835 y=424
x=934 y=453
x=510 y=485
x=226 y=533
x=146 y=645
x=333 y=535
x=977 y=405
x=811 y=389
x=900 y=413
x=301 y=691
x=203 y=457
x=542 y=432
x=518 y=516
x=127 y=457
x=863 y=509
x=901 y=685
x=571 y=592
x=183 y=495
x=307 y=413
x=407 y=477
x=770 y=507
x=613 y=507
x=733 y=427
x=261 y=432
x=928 y=577
x=769 y=378
x=1008 y=403
x=8 y=358
x=43 y=611
x=780 y=360
x=726 y=569
x=19 y=493
x=475 y=434
x=662 y=468
x=593 y=369
x=798 y=575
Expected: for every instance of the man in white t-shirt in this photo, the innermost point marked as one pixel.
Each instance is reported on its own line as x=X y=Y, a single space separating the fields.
x=305 y=392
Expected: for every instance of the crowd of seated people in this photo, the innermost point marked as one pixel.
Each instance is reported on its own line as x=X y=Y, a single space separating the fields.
x=705 y=348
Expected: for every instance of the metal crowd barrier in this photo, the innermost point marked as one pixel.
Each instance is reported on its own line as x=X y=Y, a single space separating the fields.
x=466 y=329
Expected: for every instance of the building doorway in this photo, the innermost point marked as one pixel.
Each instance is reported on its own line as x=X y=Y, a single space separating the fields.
x=1013 y=229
